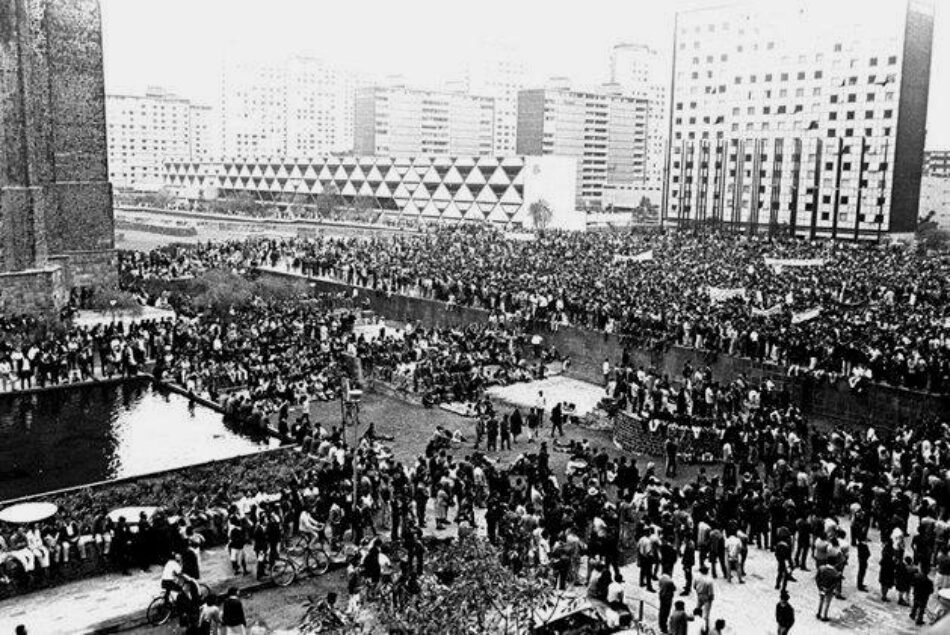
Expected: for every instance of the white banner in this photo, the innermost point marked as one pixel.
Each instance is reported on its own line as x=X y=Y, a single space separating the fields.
x=646 y=255
x=775 y=310
x=804 y=316
x=721 y=295
x=794 y=262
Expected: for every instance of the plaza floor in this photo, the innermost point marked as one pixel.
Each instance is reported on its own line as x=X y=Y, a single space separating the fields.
x=748 y=609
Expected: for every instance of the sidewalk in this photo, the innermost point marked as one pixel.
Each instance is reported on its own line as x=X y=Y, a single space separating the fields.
x=93 y=603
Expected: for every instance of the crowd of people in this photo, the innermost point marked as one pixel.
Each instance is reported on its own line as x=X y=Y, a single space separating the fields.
x=810 y=496
x=845 y=310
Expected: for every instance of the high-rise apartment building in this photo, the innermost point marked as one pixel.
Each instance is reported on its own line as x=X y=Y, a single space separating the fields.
x=937 y=163
x=604 y=130
x=403 y=121
x=294 y=107
x=499 y=74
x=143 y=131
x=640 y=71
x=805 y=115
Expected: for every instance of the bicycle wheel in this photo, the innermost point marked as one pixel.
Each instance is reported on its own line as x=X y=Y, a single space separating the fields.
x=317 y=561
x=159 y=611
x=283 y=572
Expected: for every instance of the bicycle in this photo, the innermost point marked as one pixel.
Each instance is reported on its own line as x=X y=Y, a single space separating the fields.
x=282 y=571
x=312 y=552
x=165 y=606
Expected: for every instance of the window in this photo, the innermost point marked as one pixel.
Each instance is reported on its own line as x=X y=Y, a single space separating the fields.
x=892 y=60
x=723 y=58
x=838 y=48
x=826 y=199
x=849 y=132
x=768 y=77
x=801 y=75
x=752 y=79
x=870 y=96
x=831 y=133
x=873 y=62
x=833 y=116
x=849 y=115
x=819 y=74
x=834 y=99
x=852 y=98
x=738 y=80
x=784 y=77
x=869 y=114
x=816 y=92
x=770 y=45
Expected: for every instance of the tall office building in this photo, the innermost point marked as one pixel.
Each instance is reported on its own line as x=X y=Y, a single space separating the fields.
x=403 y=121
x=294 y=107
x=604 y=130
x=808 y=116
x=143 y=131
x=499 y=74
x=639 y=71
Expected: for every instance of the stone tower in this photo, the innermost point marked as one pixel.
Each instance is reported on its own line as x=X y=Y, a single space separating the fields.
x=56 y=223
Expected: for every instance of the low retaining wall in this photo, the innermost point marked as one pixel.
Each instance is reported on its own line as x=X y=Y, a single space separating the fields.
x=877 y=404
x=270 y=469
x=633 y=435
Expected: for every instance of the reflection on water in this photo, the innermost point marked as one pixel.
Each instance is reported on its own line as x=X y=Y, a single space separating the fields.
x=68 y=437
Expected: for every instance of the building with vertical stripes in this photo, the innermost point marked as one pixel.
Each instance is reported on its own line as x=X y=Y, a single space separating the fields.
x=804 y=117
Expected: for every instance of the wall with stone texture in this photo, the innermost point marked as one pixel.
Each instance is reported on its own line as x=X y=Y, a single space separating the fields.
x=39 y=289
x=55 y=198
x=876 y=404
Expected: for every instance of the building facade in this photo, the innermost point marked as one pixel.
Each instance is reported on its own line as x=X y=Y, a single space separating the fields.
x=603 y=130
x=804 y=117
x=498 y=190
x=499 y=74
x=937 y=163
x=298 y=106
x=143 y=131
x=403 y=121
x=56 y=223
x=640 y=71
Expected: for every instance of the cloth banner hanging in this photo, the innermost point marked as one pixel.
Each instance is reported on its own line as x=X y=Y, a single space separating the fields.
x=646 y=255
x=804 y=316
x=717 y=294
x=775 y=310
x=794 y=262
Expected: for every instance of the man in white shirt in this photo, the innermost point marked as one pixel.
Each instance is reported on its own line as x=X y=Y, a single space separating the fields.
x=733 y=556
x=171 y=574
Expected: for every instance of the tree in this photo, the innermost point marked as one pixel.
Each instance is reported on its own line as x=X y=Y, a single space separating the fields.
x=646 y=211
x=541 y=213
x=329 y=201
x=464 y=589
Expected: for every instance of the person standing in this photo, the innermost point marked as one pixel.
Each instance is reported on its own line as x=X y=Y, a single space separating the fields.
x=687 y=561
x=827 y=581
x=492 y=434
x=232 y=614
x=784 y=614
x=645 y=559
x=678 y=619
x=783 y=556
x=541 y=405
x=864 y=554
x=557 y=420
x=505 y=433
x=923 y=588
x=888 y=569
x=733 y=555
x=665 y=590
x=705 y=593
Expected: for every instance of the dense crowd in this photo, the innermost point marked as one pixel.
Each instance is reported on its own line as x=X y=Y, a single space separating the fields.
x=883 y=311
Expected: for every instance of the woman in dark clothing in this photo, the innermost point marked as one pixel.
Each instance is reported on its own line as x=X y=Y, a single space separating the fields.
x=516 y=424
x=886 y=576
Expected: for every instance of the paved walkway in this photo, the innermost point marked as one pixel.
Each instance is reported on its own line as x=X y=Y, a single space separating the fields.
x=83 y=605
x=582 y=394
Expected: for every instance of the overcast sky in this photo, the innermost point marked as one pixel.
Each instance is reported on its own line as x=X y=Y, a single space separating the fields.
x=179 y=44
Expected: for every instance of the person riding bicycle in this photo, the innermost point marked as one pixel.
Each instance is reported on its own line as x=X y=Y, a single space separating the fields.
x=172 y=575
x=309 y=526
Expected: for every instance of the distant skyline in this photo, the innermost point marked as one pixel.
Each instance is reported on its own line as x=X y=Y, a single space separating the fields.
x=180 y=44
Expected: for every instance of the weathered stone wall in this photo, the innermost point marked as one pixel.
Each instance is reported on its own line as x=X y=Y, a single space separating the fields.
x=40 y=289
x=877 y=404
x=55 y=198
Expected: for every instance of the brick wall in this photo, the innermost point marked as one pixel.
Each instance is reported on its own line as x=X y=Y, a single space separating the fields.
x=877 y=404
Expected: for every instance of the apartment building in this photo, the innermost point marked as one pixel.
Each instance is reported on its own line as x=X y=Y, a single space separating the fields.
x=805 y=117
x=143 y=131
x=404 y=121
x=603 y=129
